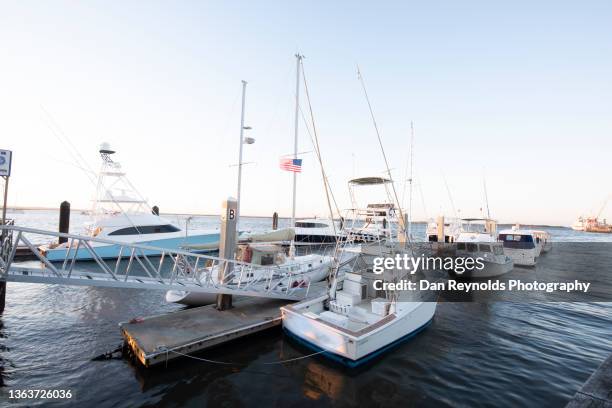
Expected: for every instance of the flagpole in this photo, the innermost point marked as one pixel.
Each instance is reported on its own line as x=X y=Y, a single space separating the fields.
x=295 y=144
x=244 y=84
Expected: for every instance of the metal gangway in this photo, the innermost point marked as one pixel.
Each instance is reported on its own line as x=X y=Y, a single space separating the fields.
x=142 y=267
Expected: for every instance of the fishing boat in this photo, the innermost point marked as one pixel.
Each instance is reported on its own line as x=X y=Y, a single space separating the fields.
x=121 y=214
x=524 y=246
x=478 y=240
x=318 y=231
x=451 y=227
x=360 y=320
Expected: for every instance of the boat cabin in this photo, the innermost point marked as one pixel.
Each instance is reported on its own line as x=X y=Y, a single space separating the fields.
x=261 y=254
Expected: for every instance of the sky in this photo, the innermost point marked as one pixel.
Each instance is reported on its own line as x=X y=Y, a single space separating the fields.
x=517 y=94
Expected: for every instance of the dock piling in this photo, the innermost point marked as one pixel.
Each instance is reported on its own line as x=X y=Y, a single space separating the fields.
x=227 y=246
x=155 y=210
x=440 y=228
x=64 y=220
x=275 y=221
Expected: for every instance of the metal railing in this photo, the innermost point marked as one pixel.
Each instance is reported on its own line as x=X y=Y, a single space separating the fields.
x=142 y=266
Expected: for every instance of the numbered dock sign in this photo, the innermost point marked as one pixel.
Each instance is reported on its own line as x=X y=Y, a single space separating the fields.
x=5 y=162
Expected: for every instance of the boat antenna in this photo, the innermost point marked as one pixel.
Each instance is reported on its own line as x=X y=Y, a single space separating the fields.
x=409 y=178
x=450 y=196
x=484 y=184
x=382 y=149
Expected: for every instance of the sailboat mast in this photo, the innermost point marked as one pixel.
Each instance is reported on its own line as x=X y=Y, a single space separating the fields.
x=410 y=180
x=295 y=142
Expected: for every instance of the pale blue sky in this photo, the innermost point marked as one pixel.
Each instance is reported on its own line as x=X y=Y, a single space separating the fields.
x=519 y=91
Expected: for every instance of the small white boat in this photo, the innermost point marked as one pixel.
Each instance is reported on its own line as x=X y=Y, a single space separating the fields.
x=579 y=224
x=543 y=239
x=524 y=246
x=304 y=269
x=477 y=239
x=121 y=214
x=358 y=325
x=358 y=321
x=450 y=230
x=317 y=231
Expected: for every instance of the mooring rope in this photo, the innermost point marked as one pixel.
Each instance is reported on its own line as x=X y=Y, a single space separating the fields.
x=237 y=364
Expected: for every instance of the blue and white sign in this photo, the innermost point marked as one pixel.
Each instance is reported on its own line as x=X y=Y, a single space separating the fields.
x=5 y=162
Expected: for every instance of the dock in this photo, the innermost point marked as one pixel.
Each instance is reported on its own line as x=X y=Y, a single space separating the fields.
x=191 y=330
x=597 y=390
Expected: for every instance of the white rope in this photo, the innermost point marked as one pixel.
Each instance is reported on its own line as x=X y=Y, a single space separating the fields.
x=241 y=364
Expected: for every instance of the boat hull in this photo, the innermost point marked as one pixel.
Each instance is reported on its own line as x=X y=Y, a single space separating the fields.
x=202 y=299
x=490 y=270
x=190 y=298
x=523 y=257
x=111 y=251
x=344 y=347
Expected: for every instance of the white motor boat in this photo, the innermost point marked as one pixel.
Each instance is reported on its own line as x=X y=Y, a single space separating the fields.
x=303 y=269
x=359 y=321
x=579 y=224
x=318 y=231
x=121 y=214
x=477 y=239
x=524 y=246
x=357 y=325
x=450 y=230
x=543 y=239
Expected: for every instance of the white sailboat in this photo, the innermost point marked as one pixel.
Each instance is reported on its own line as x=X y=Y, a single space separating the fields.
x=308 y=268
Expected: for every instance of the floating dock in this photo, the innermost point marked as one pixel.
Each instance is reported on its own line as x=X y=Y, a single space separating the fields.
x=191 y=330
x=597 y=390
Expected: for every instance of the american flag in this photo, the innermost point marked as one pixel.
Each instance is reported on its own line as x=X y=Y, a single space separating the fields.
x=294 y=165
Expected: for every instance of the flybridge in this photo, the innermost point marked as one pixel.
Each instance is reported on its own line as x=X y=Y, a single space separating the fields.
x=137 y=268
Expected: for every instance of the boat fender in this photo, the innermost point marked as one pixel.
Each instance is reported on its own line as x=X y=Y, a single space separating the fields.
x=248 y=255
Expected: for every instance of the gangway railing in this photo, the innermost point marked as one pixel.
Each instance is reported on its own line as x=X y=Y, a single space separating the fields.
x=142 y=267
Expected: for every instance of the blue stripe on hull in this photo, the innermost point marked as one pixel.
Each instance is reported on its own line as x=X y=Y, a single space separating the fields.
x=112 y=251
x=365 y=359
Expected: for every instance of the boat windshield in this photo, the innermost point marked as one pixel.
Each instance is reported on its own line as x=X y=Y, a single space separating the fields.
x=145 y=229
x=517 y=241
x=301 y=224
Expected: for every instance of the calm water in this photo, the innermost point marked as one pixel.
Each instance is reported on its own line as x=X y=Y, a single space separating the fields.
x=497 y=354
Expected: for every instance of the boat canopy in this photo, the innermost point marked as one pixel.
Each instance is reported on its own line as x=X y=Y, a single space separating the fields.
x=369 y=181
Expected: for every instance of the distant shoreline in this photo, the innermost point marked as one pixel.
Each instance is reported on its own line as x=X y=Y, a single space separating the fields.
x=254 y=216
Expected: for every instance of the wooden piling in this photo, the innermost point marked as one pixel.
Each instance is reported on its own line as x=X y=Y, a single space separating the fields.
x=440 y=228
x=2 y=296
x=275 y=221
x=155 y=210
x=64 y=220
